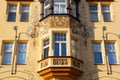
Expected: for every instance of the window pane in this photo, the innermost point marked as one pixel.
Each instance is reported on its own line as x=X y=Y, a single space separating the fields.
x=7 y=58
x=62 y=9
x=59 y=6
x=112 y=58
x=56 y=49
x=105 y=8
x=97 y=47
x=8 y=46
x=106 y=12
x=25 y=13
x=47 y=11
x=93 y=16
x=22 y=46
x=93 y=7
x=7 y=55
x=107 y=16
x=12 y=16
x=12 y=13
x=46 y=51
x=63 y=49
x=98 y=58
x=110 y=46
x=25 y=16
x=21 y=58
x=93 y=12
x=97 y=53
x=56 y=8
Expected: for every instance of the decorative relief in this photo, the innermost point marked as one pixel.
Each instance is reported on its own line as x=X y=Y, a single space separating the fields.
x=76 y=64
x=60 y=62
x=60 y=21
x=44 y=63
x=44 y=27
x=75 y=27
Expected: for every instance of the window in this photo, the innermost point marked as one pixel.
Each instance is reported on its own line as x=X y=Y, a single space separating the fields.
x=59 y=44
x=73 y=48
x=60 y=7
x=110 y=49
x=46 y=48
x=22 y=47
x=97 y=53
x=73 y=7
x=93 y=12
x=46 y=8
x=12 y=13
x=106 y=13
x=7 y=53
x=24 y=13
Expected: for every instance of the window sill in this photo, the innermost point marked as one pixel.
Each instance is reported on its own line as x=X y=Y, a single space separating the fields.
x=99 y=64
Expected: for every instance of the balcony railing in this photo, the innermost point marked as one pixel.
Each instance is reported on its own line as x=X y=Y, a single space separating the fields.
x=65 y=61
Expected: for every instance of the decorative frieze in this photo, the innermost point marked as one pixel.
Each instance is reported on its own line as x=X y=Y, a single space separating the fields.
x=60 y=61
x=60 y=21
x=44 y=63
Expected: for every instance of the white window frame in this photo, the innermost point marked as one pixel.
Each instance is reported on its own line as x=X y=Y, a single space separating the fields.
x=94 y=11
x=46 y=46
x=12 y=11
x=60 y=44
x=7 y=51
x=107 y=11
x=59 y=4
x=22 y=51
x=25 y=11
x=46 y=7
x=115 y=51
x=98 y=51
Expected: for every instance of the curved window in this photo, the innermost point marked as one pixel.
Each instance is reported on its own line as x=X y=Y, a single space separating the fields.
x=46 y=7
x=60 y=7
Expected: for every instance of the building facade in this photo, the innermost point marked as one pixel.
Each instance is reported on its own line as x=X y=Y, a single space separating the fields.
x=59 y=40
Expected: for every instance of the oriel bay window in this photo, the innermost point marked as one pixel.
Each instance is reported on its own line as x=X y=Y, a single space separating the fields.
x=60 y=6
x=69 y=7
x=60 y=44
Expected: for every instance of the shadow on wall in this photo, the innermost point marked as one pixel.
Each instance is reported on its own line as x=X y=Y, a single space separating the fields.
x=21 y=75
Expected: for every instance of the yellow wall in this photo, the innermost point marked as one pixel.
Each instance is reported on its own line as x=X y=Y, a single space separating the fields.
x=29 y=70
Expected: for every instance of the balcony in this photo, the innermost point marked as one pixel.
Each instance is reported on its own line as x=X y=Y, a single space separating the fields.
x=60 y=66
